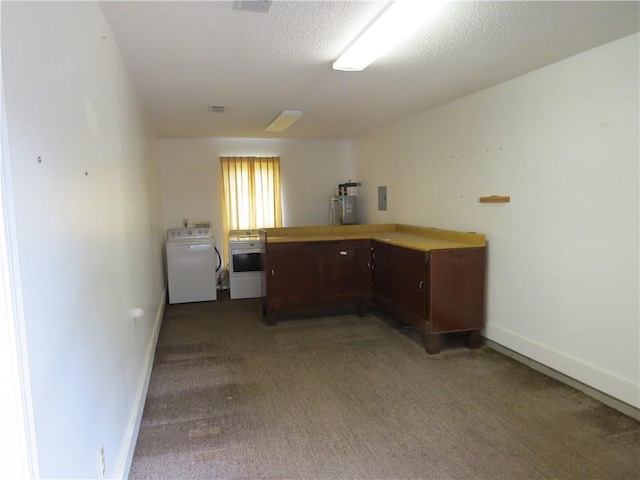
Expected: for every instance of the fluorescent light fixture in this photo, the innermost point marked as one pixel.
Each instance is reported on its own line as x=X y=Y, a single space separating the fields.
x=400 y=18
x=283 y=120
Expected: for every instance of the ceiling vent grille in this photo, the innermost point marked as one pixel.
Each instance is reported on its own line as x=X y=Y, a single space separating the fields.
x=217 y=108
x=261 y=6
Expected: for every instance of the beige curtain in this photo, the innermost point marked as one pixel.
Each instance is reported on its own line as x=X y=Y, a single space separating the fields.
x=250 y=193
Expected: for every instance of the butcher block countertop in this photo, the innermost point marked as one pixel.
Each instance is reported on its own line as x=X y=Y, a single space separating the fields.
x=407 y=236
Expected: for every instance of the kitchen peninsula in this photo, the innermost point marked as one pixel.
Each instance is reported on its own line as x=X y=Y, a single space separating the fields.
x=431 y=279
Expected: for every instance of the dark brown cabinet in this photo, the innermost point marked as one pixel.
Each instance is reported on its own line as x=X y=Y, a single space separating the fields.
x=457 y=290
x=302 y=275
x=381 y=284
x=435 y=292
x=409 y=269
x=345 y=268
x=400 y=282
x=292 y=271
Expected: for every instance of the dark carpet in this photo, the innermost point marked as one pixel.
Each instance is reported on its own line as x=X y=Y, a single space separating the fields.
x=342 y=397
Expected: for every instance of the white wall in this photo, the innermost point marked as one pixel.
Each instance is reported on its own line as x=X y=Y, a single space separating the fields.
x=309 y=170
x=16 y=414
x=563 y=255
x=89 y=232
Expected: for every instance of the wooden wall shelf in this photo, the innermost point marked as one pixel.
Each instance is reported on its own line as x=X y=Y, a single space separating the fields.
x=495 y=199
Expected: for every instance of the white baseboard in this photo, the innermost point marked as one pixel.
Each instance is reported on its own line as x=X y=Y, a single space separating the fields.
x=136 y=415
x=612 y=390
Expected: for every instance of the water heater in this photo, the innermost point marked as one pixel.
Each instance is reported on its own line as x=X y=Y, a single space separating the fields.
x=343 y=206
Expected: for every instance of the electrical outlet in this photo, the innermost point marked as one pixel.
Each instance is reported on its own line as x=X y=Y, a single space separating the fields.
x=185 y=222
x=101 y=461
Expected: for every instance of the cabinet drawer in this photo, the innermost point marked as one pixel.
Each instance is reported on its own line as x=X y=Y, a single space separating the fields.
x=354 y=244
x=345 y=246
x=409 y=254
x=292 y=247
x=312 y=246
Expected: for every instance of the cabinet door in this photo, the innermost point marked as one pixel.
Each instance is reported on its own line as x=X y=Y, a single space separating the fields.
x=344 y=268
x=381 y=275
x=409 y=275
x=457 y=289
x=292 y=272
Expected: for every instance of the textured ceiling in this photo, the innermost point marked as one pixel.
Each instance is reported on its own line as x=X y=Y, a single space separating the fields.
x=187 y=56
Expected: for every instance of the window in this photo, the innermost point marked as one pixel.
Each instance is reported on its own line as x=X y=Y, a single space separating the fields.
x=250 y=193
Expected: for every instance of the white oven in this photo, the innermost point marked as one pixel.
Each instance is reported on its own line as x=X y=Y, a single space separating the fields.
x=245 y=264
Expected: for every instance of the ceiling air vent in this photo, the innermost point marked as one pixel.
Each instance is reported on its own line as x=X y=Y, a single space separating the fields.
x=217 y=108
x=252 y=5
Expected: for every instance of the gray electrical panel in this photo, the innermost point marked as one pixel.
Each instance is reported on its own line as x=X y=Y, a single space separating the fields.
x=382 y=198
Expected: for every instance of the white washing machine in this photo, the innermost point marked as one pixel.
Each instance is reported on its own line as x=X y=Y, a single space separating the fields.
x=191 y=265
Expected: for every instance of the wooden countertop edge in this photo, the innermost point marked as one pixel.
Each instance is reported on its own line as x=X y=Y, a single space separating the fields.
x=415 y=238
